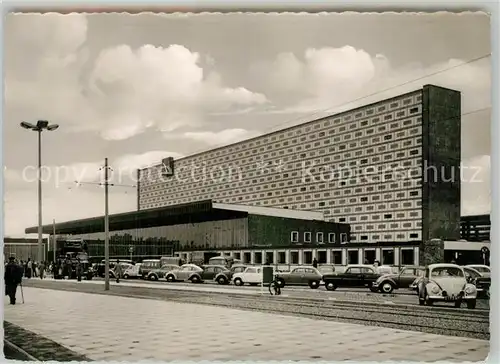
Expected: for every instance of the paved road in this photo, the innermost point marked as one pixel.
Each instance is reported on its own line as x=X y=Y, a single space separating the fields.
x=357 y=294
x=107 y=327
x=350 y=307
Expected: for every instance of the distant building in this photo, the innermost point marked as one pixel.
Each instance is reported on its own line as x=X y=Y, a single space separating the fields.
x=21 y=248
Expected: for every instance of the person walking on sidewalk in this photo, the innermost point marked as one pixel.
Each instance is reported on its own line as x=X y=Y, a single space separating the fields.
x=29 y=266
x=41 y=267
x=78 y=270
x=35 y=272
x=118 y=271
x=12 y=277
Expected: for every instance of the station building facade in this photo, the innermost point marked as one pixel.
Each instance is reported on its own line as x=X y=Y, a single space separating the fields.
x=200 y=230
x=389 y=169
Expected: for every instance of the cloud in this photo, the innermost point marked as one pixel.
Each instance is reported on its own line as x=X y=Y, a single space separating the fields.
x=326 y=80
x=120 y=92
x=217 y=138
x=476 y=186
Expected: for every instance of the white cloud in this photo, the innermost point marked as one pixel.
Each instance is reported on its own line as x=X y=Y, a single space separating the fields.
x=128 y=90
x=217 y=138
x=332 y=79
x=476 y=186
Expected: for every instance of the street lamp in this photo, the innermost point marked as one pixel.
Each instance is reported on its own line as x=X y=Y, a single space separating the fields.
x=40 y=126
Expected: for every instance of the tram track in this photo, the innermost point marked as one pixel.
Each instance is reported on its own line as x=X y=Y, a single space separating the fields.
x=437 y=320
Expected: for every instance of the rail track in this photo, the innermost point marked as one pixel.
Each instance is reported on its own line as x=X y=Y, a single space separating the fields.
x=437 y=320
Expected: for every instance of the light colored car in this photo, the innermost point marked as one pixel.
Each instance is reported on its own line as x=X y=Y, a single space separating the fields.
x=301 y=276
x=483 y=269
x=251 y=275
x=186 y=272
x=132 y=271
x=160 y=273
x=124 y=267
x=446 y=283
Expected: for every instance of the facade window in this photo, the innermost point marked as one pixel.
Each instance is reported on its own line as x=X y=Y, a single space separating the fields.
x=319 y=238
x=294 y=237
x=307 y=237
x=294 y=257
x=352 y=257
x=343 y=238
x=308 y=258
x=331 y=238
x=407 y=257
x=281 y=258
x=387 y=256
x=413 y=236
x=337 y=257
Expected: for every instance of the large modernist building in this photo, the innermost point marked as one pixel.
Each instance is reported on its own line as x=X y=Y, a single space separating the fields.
x=390 y=170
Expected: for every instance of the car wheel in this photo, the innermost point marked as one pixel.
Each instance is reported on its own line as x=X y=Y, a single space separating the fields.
x=238 y=282
x=330 y=286
x=458 y=304
x=125 y=276
x=281 y=282
x=195 y=279
x=387 y=287
x=154 y=277
x=471 y=304
x=222 y=280
x=170 y=278
x=314 y=284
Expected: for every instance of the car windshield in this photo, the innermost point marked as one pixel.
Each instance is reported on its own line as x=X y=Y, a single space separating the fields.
x=447 y=272
x=472 y=273
x=482 y=269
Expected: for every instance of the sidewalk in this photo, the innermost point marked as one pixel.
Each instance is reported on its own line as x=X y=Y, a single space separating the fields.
x=119 y=328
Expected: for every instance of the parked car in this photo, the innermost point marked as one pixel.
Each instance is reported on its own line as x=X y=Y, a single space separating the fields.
x=446 y=283
x=356 y=275
x=160 y=273
x=301 y=276
x=101 y=266
x=389 y=282
x=219 y=273
x=251 y=275
x=125 y=267
x=147 y=266
x=186 y=272
x=481 y=282
x=132 y=271
x=483 y=269
x=223 y=260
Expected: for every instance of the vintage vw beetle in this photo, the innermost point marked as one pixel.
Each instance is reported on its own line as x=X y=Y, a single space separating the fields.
x=446 y=283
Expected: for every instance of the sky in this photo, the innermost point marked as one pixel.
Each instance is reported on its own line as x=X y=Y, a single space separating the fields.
x=137 y=88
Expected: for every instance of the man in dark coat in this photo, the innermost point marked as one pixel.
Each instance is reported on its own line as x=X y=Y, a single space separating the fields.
x=12 y=277
x=315 y=263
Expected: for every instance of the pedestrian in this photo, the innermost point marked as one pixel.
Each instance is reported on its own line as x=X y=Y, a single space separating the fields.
x=315 y=263
x=35 y=267
x=29 y=266
x=118 y=271
x=13 y=276
x=78 y=270
x=41 y=267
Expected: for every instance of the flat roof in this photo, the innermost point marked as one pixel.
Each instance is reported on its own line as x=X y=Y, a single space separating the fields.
x=195 y=212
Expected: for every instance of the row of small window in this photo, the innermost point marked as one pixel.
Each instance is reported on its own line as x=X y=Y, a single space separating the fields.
x=348 y=118
x=357 y=213
x=403 y=170
x=382 y=225
x=297 y=195
x=403 y=140
x=307 y=237
x=386 y=236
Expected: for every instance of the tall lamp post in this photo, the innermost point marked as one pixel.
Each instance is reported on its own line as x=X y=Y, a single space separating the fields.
x=40 y=126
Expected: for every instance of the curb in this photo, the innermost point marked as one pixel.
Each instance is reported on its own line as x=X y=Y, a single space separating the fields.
x=23 y=355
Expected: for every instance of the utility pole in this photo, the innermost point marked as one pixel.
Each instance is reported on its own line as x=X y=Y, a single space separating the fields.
x=54 y=240
x=106 y=185
x=106 y=225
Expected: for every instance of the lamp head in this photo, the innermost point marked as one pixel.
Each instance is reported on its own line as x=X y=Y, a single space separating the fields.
x=42 y=124
x=27 y=125
x=52 y=127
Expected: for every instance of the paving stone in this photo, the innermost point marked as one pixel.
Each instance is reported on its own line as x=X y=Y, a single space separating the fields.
x=103 y=327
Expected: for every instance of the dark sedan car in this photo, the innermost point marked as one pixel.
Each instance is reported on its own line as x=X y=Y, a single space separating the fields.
x=403 y=279
x=301 y=276
x=354 y=276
